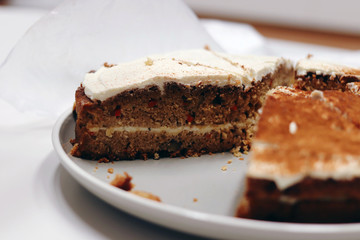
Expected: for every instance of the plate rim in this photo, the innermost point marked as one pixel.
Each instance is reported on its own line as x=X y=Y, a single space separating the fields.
x=195 y=222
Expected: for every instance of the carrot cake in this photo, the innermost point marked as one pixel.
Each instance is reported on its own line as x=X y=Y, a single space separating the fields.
x=312 y=73
x=182 y=103
x=305 y=163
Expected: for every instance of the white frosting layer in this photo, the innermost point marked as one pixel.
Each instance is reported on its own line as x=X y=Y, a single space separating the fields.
x=342 y=168
x=322 y=67
x=192 y=67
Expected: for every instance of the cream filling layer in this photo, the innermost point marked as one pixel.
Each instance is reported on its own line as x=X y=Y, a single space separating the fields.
x=292 y=200
x=171 y=130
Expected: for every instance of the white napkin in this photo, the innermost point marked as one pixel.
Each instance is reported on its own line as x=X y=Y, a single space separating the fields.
x=46 y=66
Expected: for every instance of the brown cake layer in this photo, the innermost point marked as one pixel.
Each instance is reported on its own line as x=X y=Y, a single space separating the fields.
x=312 y=81
x=303 y=211
x=305 y=159
x=311 y=200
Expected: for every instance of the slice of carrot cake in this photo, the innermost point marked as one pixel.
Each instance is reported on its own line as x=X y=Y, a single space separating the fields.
x=312 y=73
x=305 y=162
x=183 y=103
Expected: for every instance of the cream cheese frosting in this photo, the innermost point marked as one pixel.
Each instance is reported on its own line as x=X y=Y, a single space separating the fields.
x=341 y=167
x=323 y=67
x=190 y=67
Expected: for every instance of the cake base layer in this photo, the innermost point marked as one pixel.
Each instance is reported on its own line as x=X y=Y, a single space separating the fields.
x=311 y=200
x=305 y=211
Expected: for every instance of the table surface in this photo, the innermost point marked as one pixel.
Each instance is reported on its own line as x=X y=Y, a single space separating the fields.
x=330 y=39
x=39 y=198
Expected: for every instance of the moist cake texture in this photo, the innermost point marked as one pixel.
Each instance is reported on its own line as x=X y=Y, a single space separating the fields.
x=182 y=103
x=311 y=74
x=305 y=163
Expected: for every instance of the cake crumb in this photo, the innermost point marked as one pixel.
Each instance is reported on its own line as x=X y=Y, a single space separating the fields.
x=123 y=181
x=292 y=128
x=108 y=176
x=110 y=170
x=223 y=168
x=103 y=160
x=149 y=62
x=206 y=47
x=241 y=158
x=229 y=161
x=107 y=65
x=146 y=195
x=74 y=149
x=236 y=151
x=156 y=156
x=195 y=200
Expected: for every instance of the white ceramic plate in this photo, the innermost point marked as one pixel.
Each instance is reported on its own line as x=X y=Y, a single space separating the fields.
x=178 y=182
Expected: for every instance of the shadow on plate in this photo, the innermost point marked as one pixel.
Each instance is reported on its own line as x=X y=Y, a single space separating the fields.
x=76 y=203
